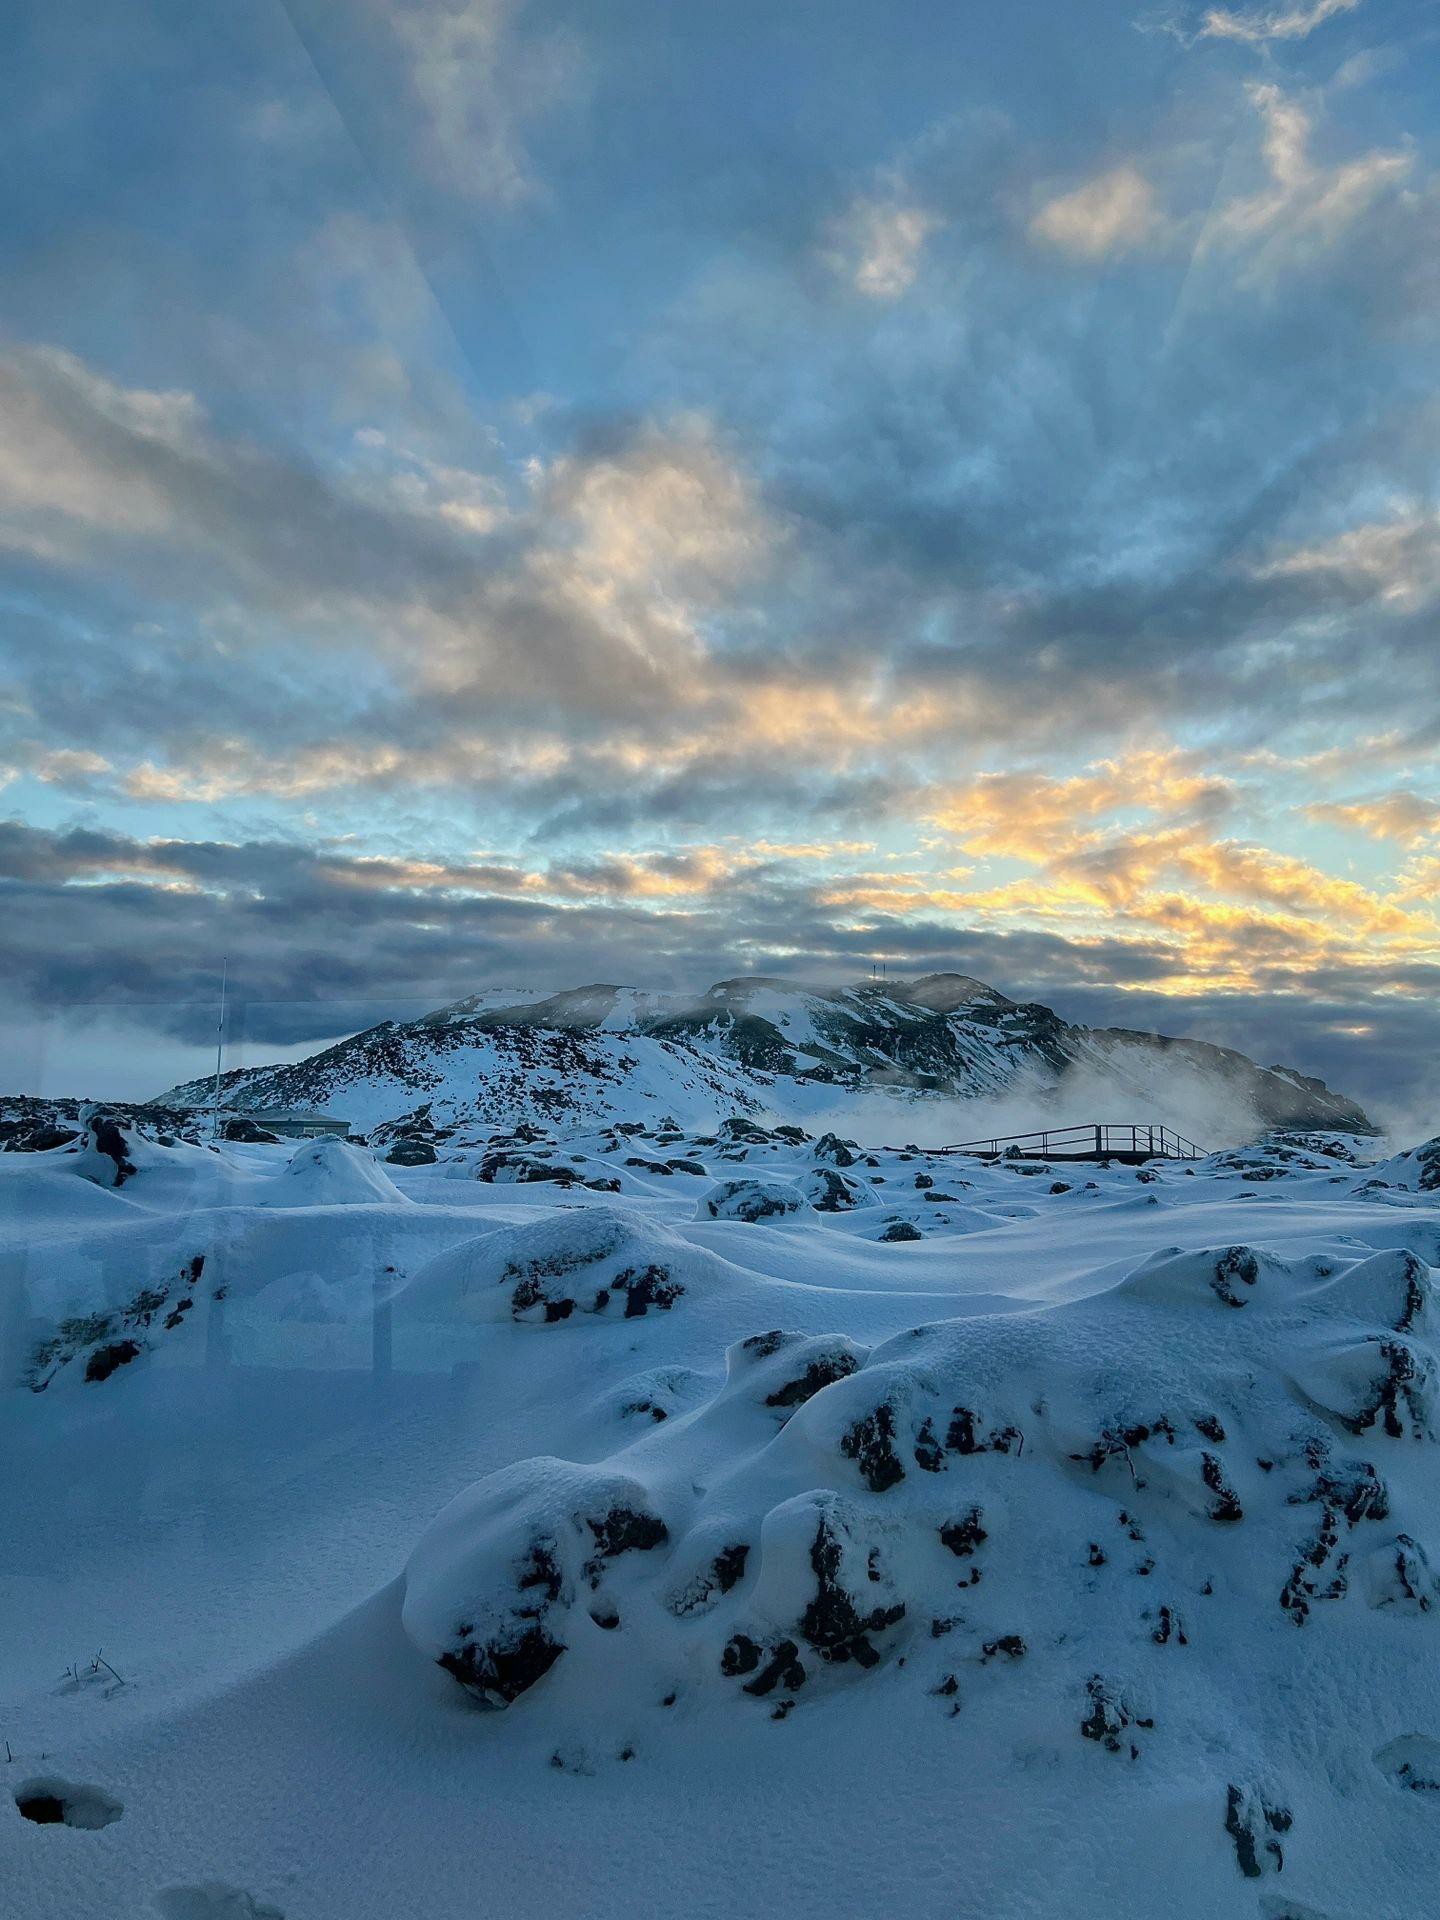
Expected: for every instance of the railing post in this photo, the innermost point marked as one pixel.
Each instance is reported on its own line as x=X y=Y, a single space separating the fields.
x=1098 y=1147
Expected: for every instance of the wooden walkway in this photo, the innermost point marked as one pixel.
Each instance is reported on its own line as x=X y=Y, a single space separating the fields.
x=1098 y=1141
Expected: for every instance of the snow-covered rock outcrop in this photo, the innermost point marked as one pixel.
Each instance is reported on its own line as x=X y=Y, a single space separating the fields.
x=1141 y=1518
x=591 y=1260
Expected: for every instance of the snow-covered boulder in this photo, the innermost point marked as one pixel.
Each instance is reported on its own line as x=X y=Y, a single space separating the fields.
x=507 y=1166
x=519 y=1566
x=328 y=1173
x=108 y=1154
x=582 y=1260
x=751 y=1197
x=832 y=1151
x=407 y=1151
x=87 y=1348
x=831 y=1192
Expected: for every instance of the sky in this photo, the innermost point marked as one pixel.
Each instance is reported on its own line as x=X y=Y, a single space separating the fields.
x=500 y=493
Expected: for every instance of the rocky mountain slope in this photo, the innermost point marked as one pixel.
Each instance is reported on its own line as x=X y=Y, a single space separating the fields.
x=753 y=1044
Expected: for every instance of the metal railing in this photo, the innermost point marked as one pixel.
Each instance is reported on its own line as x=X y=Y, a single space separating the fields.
x=1094 y=1141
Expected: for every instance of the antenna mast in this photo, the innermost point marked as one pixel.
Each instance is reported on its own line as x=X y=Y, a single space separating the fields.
x=219 y=1051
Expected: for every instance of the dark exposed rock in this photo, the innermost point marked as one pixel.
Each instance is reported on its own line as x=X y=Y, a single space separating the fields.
x=105 y=1360
x=1396 y=1398
x=740 y=1655
x=751 y=1200
x=1011 y=1645
x=411 y=1153
x=1169 y=1627
x=106 y=1136
x=1304 y=1585
x=833 y=1622
x=644 y=1405
x=1235 y=1269
x=901 y=1230
x=1353 y=1487
x=962 y=1537
x=497 y=1673
x=505 y=1165
x=1411 y=1763
x=1227 y=1507
x=622 y=1530
x=870 y=1443
x=647 y=1287
x=927 y=1451
x=1254 y=1823
x=964 y=1435
x=1109 y=1718
x=24 y=1134
x=833 y=1193
x=820 y=1372
x=783 y=1668
x=836 y=1151
x=728 y=1566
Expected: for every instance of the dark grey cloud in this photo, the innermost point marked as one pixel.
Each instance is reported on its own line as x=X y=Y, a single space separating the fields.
x=318 y=943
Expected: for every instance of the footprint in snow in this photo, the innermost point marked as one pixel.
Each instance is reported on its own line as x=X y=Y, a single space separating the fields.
x=213 y=1900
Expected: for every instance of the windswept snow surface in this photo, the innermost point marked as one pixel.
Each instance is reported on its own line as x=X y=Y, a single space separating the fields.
x=732 y=1523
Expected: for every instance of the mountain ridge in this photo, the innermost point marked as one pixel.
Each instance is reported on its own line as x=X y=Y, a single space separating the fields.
x=754 y=1043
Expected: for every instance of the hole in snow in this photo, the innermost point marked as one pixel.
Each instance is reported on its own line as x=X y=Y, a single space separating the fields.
x=51 y=1802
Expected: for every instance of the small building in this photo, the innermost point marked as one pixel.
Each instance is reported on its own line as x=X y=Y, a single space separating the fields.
x=296 y=1123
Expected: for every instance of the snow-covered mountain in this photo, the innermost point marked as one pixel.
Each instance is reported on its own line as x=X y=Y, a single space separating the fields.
x=754 y=1044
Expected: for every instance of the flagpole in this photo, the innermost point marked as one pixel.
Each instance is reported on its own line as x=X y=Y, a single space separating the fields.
x=219 y=1051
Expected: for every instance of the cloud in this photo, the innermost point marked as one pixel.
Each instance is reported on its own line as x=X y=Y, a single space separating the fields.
x=1032 y=815
x=660 y=608
x=877 y=245
x=1394 y=562
x=1304 y=208
x=102 y=926
x=588 y=592
x=81 y=451
x=1126 y=850
x=479 y=82
x=1262 y=24
x=1136 y=845
x=1400 y=815
x=1113 y=214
